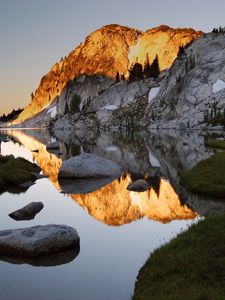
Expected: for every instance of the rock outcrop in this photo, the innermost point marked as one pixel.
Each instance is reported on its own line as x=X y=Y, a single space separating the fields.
x=38 y=240
x=106 y=51
x=192 y=95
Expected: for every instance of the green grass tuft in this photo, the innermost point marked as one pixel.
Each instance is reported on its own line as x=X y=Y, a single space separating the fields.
x=215 y=144
x=190 y=267
x=207 y=177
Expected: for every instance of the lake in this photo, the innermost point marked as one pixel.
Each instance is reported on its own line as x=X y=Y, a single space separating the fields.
x=118 y=228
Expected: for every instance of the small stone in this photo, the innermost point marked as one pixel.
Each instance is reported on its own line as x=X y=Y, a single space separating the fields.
x=27 y=212
x=139 y=185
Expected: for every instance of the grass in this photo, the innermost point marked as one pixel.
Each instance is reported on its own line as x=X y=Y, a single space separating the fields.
x=207 y=177
x=190 y=267
x=15 y=171
x=215 y=144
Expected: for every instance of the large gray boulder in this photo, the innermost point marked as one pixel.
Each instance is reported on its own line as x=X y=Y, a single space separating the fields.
x=88 y=165
x=27 y=212
x=38 y=240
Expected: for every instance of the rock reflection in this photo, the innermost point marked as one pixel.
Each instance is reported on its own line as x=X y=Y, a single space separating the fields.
x=50 y=260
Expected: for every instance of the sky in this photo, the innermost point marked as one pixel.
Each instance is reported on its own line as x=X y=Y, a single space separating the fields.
x=36 y=34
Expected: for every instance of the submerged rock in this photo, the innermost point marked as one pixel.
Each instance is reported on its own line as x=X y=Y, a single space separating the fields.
x=84 y=186
x=38 y=240
x=53 y=146
x=27 y=212
x=139 y=185
x=88 y=165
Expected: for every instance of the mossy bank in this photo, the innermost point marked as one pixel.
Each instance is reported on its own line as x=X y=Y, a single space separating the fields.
x=192 y=266
x=16 y=172
x=207 y=177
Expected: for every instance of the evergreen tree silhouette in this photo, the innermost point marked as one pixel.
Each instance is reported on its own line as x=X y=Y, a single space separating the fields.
x=155 y=68
x=147 y=68
x=181 y=51
x=117 y=76
x=136 y=73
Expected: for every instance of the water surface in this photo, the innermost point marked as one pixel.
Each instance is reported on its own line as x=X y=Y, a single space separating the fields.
x=118 y=229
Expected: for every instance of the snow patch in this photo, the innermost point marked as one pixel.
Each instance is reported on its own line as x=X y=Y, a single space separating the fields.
x=52 y=111
x=218 y=86
x=153 y=160
x=110 y=107
x=152 y=94
x=112 y=148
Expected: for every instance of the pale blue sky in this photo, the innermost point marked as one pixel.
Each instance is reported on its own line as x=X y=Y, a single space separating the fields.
x=34 y=34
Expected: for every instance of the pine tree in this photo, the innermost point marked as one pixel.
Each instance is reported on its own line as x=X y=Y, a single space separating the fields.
x=117 y=76
x=181 y=51
x=155 y=68
x=147 y=68
x=136 y=73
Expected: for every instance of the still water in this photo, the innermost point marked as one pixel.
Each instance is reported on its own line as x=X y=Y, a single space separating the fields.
x=118 y=229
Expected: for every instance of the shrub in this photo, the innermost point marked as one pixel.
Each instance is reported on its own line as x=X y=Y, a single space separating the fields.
x=74 y=105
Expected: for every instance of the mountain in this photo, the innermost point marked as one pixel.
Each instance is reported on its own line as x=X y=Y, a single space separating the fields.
x=108 y=50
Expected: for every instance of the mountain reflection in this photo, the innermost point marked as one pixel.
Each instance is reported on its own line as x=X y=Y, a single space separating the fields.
x=112 y=204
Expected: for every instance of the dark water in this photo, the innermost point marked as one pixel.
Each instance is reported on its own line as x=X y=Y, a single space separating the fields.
x=118 y=229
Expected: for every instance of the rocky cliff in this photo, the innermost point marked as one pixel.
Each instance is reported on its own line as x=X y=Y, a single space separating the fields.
x=109 y=50
x=192 y=95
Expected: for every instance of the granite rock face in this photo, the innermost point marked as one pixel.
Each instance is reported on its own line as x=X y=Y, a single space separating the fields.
x=121 y=104
x=192 y=95
x=38 y=240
